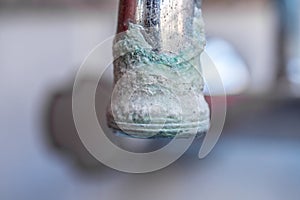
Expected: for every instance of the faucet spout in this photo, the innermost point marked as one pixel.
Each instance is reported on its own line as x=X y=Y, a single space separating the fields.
x=157 y=70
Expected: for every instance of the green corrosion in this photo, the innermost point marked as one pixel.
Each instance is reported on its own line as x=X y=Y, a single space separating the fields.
x=157 y=75
x=133 y=47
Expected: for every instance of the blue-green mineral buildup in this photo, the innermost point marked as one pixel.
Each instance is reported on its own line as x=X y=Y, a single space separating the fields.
x=158 y=93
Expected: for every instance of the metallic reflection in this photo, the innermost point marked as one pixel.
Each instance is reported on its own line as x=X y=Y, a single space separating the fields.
x=169 y=21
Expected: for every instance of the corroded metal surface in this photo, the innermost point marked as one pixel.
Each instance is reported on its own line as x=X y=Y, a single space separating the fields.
x=158 y=82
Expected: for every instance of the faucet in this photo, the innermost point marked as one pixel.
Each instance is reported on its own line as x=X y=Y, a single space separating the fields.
x=158 y=89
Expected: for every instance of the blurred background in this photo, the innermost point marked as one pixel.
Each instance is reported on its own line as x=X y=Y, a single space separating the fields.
x=256 y=47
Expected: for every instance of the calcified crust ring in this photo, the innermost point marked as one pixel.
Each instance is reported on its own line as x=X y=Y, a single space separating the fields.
x=158 y=83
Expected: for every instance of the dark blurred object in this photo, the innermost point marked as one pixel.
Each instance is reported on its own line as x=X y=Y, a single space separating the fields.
x=63 y=134
x=62 y=131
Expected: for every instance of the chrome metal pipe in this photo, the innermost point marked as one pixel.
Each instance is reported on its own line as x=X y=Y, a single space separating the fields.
x=170 y=21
